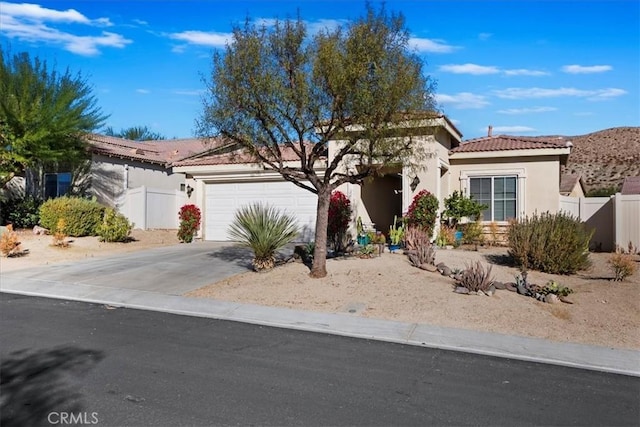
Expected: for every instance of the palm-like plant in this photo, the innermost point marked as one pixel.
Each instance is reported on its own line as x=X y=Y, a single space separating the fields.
x=264 y=229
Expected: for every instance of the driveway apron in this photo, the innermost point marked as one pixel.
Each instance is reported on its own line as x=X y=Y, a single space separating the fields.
x=171 y=270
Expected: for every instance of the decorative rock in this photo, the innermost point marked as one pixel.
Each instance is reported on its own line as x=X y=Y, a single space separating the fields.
x=551 y=298
x=446 y=271
x=429 y=267
x=440 y=265
x=565 y=300
x=461 y=290
x=473 y=293
x=457 y=277
x=481 y=293
x=510 y=286
x=491 y=291
x=499 y=285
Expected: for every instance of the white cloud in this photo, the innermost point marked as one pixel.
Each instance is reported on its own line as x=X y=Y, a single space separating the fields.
x=27 y=22
x=484 y=36
x=525 y=72
x=536 y=92
x=203 y=38
x=462 y=100
x=474 y=69
x=477 y=70
x=431 y=45
x=581 y=69
x=511 y=129
x=143 y=91
x=527 y=110
x=140 y=22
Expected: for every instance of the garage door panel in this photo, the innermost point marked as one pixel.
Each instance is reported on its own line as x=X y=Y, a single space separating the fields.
x=224 y=199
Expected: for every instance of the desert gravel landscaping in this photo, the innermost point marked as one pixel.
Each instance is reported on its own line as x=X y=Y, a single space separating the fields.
x=603 y=312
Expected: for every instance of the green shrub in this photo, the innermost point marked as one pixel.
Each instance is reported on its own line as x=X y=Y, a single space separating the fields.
x=114 y=227
x=264 y=229
x=423 y=211
x=458 y=206
x=81 y=216
x=22 y=212
x=552 y=243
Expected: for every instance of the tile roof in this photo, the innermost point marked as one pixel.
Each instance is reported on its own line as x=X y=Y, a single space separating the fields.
x=568 y=183
x=160 y=152
x=507 y=142
x=234 y=157
x=631 y=185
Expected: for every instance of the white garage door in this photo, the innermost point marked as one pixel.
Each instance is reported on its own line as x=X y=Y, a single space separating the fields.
x=224 y=199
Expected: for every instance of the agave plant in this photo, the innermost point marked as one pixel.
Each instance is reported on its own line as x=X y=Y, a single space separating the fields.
x=264 y=229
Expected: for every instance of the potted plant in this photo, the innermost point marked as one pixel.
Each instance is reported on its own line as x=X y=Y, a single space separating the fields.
x=396 y=234
x=457 y=207
x=362 y=237
x=379 y=240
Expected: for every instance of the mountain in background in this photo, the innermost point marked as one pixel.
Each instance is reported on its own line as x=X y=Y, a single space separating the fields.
x=604 y=158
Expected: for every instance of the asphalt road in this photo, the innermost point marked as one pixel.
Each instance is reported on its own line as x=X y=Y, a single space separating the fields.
x=128 y=367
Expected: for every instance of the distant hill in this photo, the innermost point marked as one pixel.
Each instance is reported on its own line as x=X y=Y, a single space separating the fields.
x=606 y=157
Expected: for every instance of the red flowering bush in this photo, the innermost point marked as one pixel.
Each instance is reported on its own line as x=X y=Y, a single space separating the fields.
x=189 y=222
x=339 y=218
x=423 y=211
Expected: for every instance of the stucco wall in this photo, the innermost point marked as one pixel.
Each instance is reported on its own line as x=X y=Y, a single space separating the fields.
x=538 y=178
x=109 y=178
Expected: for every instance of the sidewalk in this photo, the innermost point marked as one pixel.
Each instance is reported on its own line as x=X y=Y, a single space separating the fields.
x=604 y=359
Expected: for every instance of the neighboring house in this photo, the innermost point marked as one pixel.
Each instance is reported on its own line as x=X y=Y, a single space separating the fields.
x=513 y=176
x=118 y=165
x=631 y=185
x=572 y=185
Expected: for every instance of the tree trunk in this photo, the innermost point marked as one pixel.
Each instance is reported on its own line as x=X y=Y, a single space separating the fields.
x=319 y=266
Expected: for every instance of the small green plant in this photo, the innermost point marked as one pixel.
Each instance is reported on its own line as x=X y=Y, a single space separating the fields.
x=473 y=234
x=367 y=251
x=553 y=287
x=81 y=216
x=552 y=243
x=115 y=227
x=359 y=227
x=622 y=264
x=264 y=229
x=475 y=278
x=423 y=211
x=396 y=231
x=189 y=222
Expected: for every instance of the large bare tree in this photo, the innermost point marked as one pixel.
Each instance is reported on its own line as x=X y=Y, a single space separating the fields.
x=277 y=90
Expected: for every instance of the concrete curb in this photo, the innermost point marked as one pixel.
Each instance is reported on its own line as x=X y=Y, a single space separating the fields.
x=618 y=361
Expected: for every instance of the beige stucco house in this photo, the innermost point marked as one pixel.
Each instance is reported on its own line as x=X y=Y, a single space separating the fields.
x=514 y=176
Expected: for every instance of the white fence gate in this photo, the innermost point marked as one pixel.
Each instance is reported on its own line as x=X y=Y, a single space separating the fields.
x=152 y=208
x=615 y=219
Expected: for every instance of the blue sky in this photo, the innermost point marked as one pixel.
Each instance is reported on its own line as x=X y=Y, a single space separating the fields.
x=527 y=68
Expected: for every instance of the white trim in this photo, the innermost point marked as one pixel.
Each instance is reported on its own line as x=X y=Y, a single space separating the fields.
x=521 y=180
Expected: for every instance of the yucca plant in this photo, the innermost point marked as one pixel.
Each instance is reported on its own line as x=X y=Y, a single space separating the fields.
x=264 y=229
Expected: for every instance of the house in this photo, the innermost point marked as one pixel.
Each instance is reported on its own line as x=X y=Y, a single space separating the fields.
x=631 y=185
x=572 y=185
x=513 y=176
x=118 y=165
x=225 y=180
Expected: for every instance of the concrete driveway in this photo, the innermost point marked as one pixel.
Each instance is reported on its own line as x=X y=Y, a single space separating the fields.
x=171 y=270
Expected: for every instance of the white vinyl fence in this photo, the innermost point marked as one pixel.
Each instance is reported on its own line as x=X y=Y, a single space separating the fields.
x=151 y=208
x=615 y=219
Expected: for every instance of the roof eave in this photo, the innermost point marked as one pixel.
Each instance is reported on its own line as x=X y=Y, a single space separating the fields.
x=529 y=152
